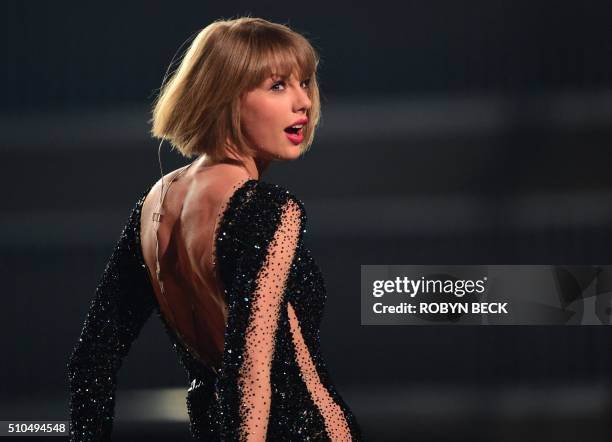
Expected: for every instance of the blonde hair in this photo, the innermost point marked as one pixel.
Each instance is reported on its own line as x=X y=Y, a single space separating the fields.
x=198 y=108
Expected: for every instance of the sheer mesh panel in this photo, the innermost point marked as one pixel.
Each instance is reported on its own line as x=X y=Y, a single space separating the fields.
x=335 y=422
x=263 y=324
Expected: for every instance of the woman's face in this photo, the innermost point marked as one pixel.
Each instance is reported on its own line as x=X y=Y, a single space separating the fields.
x=269 y=111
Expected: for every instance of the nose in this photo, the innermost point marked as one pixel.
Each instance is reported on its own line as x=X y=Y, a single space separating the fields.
x=302 y=100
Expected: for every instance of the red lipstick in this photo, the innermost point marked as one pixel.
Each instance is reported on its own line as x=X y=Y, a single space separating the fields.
x=295 y=132
x=296 y=138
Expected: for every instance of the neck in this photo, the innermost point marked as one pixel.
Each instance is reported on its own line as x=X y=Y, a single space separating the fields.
x=254 y=166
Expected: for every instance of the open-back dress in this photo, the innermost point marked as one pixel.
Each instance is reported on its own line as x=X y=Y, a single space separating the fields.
x=222 y=259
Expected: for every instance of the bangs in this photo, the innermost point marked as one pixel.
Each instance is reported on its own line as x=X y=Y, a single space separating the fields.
x=281 y=57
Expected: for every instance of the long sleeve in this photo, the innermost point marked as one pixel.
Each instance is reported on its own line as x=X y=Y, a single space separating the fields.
x=256 y=247
x=122 y=304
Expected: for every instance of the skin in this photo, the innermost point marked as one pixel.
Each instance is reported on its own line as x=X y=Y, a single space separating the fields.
x=265 y=112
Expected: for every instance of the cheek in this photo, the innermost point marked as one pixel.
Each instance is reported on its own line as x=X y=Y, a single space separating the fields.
x=257 y=132
x=261 y=123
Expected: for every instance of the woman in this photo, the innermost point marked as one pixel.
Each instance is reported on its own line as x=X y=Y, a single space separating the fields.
x=220 y=254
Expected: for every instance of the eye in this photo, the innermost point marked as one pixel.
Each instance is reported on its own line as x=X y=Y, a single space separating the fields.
x=306 y=83
x=276 y=86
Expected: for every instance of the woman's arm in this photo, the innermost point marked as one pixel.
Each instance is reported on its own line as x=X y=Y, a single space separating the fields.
x=122 y=304
x=261 y=331
x=261 y=255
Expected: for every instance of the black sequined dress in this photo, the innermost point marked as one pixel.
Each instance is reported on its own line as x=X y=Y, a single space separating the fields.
x=265 y=268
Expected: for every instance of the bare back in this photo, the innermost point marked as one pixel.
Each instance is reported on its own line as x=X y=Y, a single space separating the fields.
x=192 y=300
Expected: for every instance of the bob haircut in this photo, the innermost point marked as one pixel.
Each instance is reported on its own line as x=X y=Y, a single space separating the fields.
x=198 y=108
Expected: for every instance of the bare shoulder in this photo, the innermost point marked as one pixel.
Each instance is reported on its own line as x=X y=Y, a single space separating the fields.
x=214 y=183
x=155 y=191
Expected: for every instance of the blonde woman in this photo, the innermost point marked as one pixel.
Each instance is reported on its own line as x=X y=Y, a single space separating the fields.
x=220 y=255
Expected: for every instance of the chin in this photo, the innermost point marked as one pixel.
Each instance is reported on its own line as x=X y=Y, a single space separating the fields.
x=289 y=154
x=294 y=153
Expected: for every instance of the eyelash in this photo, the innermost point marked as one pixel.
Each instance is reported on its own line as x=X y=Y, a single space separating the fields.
x=307 y=82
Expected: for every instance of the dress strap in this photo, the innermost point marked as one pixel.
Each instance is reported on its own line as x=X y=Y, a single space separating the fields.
x=157 y=218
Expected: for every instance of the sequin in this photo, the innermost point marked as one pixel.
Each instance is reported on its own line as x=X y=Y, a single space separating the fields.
x=273 y=381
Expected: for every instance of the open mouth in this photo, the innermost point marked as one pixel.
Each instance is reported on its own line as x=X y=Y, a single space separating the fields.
x=294 y=129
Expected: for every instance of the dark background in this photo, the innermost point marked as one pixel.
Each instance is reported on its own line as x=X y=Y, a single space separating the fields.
x=453 y=133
